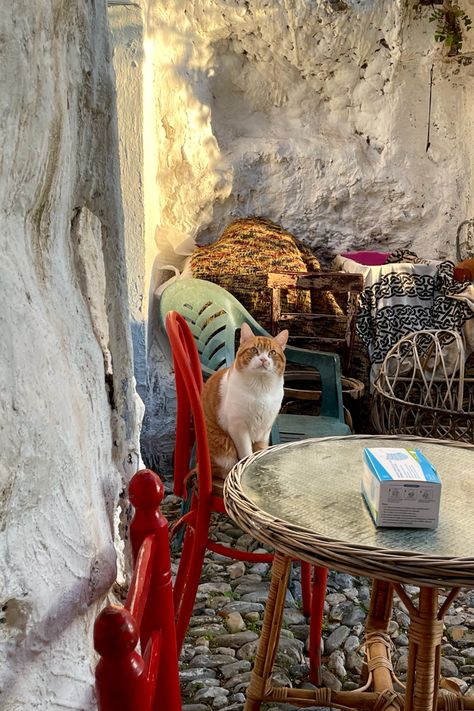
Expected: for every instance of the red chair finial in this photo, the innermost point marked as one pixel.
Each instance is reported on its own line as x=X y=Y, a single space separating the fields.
x=146 y=490
x=115 y=632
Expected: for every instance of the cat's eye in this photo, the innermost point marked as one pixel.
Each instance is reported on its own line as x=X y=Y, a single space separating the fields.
x=272 y=353
x=254 y=350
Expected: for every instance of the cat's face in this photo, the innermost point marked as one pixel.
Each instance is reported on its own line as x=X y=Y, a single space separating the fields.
x=261 y=354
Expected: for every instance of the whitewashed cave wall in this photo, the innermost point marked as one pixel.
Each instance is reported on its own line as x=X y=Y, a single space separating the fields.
x=313 y=113
x=126 y=23
x=69 y=429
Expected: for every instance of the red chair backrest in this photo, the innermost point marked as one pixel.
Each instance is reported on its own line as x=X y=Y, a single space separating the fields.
x=128 y=680
x=190 y=423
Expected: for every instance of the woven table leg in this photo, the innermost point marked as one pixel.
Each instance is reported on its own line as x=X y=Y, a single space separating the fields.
x=377 y=643
x=380 y=610
x=261 y=677
x=425 y=634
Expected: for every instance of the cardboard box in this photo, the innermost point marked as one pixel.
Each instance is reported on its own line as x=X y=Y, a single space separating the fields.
x=401 y=488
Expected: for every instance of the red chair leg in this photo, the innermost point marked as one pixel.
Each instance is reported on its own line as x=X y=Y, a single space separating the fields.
x=306 y=587
x=186 y=603
x=184 y=562
x=189 y=569
x=320 y=576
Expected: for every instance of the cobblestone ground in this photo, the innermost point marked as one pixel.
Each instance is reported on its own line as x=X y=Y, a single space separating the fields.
x=222 y=638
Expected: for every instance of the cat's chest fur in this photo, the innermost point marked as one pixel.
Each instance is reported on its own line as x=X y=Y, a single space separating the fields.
x=254 y=400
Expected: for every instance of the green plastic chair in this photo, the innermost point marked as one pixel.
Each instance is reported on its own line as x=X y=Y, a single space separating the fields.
x=214 y=316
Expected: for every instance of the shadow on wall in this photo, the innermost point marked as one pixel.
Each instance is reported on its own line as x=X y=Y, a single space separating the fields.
x=159 y=422
x=137 y=329
x=31 y=639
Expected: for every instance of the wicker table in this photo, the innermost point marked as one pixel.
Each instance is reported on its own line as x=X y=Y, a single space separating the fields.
x=304 y=499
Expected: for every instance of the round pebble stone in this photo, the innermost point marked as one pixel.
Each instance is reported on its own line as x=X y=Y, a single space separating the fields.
x=251 y=616
x=237 y=698
x=351 y=643
x=336 y=663
x=336 y=638
x=234 y=622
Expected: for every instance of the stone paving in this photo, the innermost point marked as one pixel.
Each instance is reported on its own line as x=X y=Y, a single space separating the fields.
x=222 y=638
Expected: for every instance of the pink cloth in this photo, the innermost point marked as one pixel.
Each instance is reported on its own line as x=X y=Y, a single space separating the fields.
x=370 y=259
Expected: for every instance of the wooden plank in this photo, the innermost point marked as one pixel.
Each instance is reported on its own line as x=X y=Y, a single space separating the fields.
x=338 y=282
x=276 y=310
x=319 y=339
x=281 y=281
x=312 y=317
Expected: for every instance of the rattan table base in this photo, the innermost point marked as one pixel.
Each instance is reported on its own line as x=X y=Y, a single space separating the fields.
x=303 y=498
x=381 y=691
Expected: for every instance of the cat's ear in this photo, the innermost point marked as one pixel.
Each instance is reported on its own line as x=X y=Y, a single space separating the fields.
x=245 y=333
x=282 y=338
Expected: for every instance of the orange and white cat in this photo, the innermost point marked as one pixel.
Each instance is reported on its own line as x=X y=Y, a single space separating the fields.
x=241 y=403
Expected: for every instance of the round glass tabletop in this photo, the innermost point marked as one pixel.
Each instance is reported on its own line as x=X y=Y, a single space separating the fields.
x=316 y=485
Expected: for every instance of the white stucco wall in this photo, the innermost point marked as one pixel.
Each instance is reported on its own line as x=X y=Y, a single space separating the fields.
x=68 y=436
x=314 y=114
x=126 y=21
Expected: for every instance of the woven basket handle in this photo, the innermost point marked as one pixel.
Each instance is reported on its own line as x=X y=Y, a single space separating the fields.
x=460 y=371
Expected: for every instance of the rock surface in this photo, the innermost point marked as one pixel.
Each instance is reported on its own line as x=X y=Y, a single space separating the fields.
x=67 y=404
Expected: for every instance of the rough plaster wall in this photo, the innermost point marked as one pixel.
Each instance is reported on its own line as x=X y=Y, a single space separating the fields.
x=67 y=405
x=315 y=114
x=127 y=28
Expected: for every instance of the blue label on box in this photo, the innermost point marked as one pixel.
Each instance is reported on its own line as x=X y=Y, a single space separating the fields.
x=396 y=464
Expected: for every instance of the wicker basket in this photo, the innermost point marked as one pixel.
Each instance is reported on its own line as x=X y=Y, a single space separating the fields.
x=421 y=389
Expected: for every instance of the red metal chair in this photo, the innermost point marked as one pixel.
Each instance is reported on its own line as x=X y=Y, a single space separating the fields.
x=206 y=498
x=125 y=679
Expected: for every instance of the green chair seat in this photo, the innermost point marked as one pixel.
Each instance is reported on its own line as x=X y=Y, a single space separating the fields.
x=294 y=427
